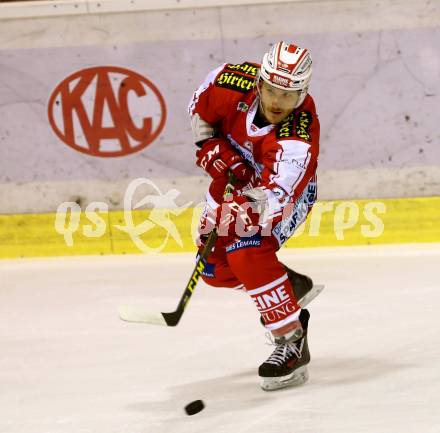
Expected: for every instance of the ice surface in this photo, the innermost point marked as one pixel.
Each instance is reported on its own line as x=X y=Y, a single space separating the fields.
x=69 y=365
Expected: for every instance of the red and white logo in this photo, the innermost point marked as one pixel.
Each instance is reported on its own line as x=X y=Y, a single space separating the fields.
x=281 y=81
x=107 y=111
x=275 y=302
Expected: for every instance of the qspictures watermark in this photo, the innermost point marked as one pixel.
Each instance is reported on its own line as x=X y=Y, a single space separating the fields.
x=339 y=217
x=161 y=210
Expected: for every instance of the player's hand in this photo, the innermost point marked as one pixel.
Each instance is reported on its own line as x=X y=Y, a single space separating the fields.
x=216 y=157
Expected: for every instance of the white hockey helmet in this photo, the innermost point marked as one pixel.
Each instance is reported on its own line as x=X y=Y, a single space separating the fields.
x=287 y=67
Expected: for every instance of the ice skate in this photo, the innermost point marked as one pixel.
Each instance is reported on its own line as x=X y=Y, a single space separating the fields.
x=287 y=366
x=303 y=287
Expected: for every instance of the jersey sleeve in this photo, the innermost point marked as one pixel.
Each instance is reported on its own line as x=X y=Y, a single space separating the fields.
x=291 y=158
x=204 y=100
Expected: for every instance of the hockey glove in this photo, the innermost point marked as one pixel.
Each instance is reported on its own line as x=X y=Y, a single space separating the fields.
x=216 y=157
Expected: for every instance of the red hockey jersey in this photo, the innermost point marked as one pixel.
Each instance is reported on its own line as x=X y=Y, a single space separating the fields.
x=285 y=156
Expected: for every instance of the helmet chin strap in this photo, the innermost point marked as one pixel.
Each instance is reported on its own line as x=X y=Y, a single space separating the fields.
x=302 y=96
x=257 y=82
x=260 y=104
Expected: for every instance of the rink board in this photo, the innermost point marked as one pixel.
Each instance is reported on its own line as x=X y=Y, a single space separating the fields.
x=335 y=223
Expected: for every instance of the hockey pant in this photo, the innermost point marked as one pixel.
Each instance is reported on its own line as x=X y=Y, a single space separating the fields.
x=251 y=264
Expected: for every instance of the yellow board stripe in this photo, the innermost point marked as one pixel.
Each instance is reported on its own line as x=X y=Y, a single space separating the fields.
x=332 y=223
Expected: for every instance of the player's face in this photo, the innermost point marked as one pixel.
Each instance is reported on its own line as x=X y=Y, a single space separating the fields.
x=277 y=104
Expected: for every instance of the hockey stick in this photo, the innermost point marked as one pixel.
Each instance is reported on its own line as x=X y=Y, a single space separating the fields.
x=139 y=315
x=133 y=314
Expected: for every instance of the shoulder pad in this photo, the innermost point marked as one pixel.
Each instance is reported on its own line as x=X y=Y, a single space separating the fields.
x=244 y=68
x=302 y=125
x=285 y=128
x=296 y=125
x=239 y=77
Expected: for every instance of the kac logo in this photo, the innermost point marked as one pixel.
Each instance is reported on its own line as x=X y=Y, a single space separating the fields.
x=107 y=111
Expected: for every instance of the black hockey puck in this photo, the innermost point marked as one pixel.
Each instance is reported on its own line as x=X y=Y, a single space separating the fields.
x=194 y=407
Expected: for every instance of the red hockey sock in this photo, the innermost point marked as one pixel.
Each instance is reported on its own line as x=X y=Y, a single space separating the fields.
x=266 y=281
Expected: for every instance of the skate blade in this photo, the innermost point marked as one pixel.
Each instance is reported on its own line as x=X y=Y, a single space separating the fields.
x=296 y=378
x=311 y=295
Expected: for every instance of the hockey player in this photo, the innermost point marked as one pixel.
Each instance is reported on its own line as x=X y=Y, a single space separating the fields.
x=259 y=123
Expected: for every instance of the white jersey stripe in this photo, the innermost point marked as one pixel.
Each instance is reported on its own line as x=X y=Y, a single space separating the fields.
x=291 y=164
x=292 y=318
x=267 y=286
